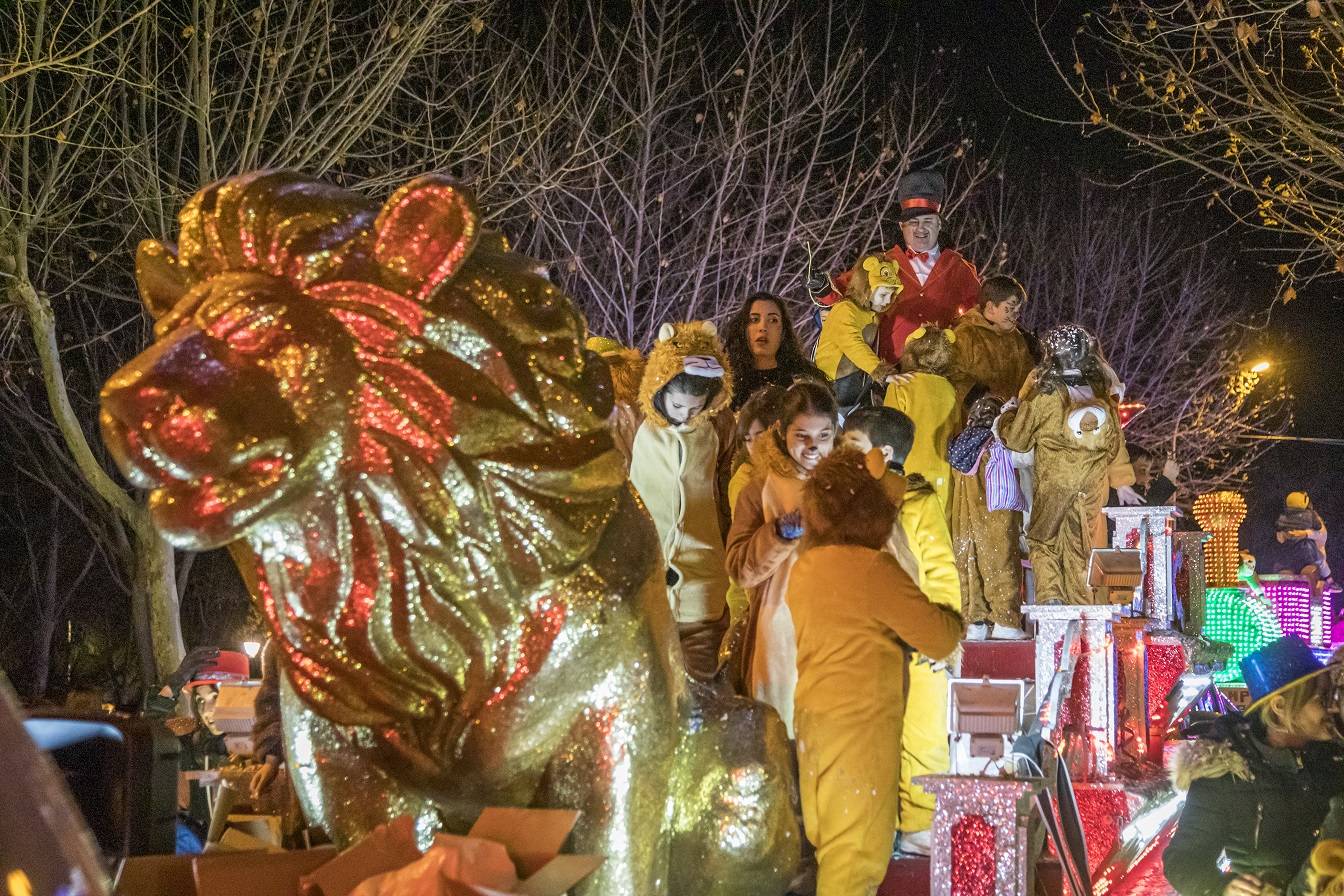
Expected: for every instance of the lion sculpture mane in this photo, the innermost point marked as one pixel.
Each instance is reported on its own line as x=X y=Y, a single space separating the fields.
x=391 y=420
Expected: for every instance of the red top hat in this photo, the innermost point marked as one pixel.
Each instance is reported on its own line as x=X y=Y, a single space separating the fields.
x=230 y=666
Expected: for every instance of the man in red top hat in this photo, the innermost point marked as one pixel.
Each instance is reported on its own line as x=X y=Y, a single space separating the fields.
x=937 y=284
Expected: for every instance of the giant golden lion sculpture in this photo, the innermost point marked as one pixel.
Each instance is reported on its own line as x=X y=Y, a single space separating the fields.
x=391 y=419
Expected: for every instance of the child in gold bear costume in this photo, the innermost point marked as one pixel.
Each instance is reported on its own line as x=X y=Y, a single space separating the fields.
x=857 y=616
x=1066 y=414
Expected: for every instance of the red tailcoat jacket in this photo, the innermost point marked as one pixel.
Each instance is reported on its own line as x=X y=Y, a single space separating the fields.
x=953 y=287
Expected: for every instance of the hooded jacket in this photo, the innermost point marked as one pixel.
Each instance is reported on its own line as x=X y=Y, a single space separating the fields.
x=1260 y=806
x=1000 y=361
x=760 y=560
x=674 y=469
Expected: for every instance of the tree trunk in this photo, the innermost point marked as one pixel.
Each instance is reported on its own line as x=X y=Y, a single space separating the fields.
x=154 y=602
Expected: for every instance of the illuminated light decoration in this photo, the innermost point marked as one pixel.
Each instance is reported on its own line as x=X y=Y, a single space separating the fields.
x=1190 y=580
x=1132 y=704
x=1167 y=662
x=1291 y=598
x=1221 y=513
x=1104 y=809
x=1090 y=709
x=1241 y=619
x=968 y=810
x=1128 y=410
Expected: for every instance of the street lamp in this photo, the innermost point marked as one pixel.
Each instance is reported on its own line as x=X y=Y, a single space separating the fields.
x=1261 y=366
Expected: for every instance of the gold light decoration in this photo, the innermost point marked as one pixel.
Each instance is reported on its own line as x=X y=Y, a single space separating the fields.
x=392 y=419
x=1221 y=513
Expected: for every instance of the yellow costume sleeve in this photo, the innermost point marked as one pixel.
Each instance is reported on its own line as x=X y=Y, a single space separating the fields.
x=842 y=335
x=929 y=538
x=896 y=602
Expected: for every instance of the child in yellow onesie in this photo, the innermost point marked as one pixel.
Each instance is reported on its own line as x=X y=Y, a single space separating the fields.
x=921 y=543
x=1066 y=414
x=672 y=466
x=927 y=397
x=846 y=349
x=857 y=617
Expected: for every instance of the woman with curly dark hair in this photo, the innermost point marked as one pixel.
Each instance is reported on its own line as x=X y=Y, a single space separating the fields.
x=763 y=348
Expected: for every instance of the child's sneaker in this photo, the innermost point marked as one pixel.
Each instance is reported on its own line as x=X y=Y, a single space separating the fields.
x=977 y=632
x=1008 y=633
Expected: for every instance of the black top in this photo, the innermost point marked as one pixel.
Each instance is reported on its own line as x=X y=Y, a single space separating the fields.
x=1264 y=826
x=748 y=382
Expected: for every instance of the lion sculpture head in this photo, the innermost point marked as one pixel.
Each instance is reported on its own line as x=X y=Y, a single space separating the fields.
x=395 y=414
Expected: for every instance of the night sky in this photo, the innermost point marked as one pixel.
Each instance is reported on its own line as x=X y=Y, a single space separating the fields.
x=1002 y=56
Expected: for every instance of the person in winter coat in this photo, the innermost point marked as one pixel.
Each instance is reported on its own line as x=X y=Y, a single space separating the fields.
x=1258 y=786
x=764 y=539
x=627 y=369
x=1301 y=531
x=674 y=468
x=922 y=545
x=847 y=347
x=989 y=349
x=858 y=616
x=925 y=395
x=987 y=541
x=1066 y=415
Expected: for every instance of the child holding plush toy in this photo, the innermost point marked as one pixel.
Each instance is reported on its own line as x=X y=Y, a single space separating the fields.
x=847 y=348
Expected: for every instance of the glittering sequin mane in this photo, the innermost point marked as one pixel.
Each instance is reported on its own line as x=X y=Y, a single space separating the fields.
x=460 y=461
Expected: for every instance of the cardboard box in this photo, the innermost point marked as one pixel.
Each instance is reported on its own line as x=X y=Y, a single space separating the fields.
x=221 y=874
x=508 y=852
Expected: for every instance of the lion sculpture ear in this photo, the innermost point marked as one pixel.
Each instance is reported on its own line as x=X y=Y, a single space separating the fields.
x=162 y=280
x=666 y=332
x=424 y=232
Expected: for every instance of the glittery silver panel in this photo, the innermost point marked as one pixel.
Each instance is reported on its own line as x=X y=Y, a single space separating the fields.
x=1149 y=530
x=1191 y=548
x=1006 y=803
x=1095 y=621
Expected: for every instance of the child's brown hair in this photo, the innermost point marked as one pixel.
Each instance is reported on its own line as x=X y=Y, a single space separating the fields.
x=843 y=503
x=928 y=350
x=998 y=289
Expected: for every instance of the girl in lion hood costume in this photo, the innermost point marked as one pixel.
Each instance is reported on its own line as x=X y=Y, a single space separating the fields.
x=673 y=467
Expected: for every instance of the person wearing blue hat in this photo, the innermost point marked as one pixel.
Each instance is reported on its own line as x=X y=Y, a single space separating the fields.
x=1258 y=784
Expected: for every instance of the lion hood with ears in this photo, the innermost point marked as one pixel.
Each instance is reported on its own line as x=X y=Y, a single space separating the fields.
x=677 y=343
x=673 y=469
